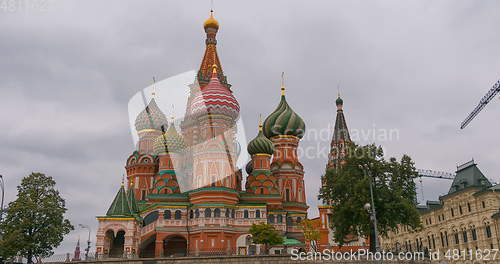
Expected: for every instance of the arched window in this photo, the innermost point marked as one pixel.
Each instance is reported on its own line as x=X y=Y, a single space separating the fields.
x=279 y=218
x=177 y=214
x=217 y=212
x=167 y=214
x=150 y=218
x=245 y=214
x=197 y=213
x=191 y=214
x=271 y=219
x=299 y=220
x=208 y=212
x=233 y=214
x=289 y=220
x=228 y=213
x=287 y=195
x=257 y=214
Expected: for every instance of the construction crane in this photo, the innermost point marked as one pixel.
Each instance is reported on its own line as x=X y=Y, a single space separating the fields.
x=433 y=174
x=484 y=101
x=436 y=174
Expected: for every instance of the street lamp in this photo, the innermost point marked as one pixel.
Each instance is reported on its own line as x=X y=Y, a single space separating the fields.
x=88 y=241
x=370 y=208
x=3 y=195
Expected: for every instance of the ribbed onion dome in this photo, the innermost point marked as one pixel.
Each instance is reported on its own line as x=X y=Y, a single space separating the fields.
x=150 y=118
x=260 y=144
x=211 y=22
x=284 y=121
x=215 y=98
x=170 y=141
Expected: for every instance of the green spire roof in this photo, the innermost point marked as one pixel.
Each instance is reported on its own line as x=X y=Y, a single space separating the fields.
x=131 y=201
x=120 y=205
x=468 y=175
x=339 y=101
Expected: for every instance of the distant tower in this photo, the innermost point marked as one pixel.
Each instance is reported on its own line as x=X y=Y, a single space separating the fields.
x=340 y=139
x=76 y=256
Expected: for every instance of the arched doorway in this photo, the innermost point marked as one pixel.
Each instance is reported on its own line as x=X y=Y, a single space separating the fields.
x=175 y=246
x=147 y=248
x=117 y=245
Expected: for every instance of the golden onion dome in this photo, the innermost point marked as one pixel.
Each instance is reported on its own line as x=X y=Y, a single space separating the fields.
x=211 y=22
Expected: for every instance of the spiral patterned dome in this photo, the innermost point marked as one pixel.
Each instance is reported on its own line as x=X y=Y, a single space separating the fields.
x=173 y=141
x=215 y=98
x=284 y=121
x=260 y=145
x=150 y=118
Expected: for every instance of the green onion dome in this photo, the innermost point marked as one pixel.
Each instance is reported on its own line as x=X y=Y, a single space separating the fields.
x=150 y=118
x=260 y=144
x=284 y=121
x=339 y=101
x=169 y=142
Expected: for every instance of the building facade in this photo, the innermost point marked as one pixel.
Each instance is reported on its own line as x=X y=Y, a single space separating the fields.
x=183 y=193
x=466 y=218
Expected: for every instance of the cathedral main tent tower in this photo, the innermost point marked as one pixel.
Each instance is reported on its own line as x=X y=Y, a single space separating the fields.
x=184 y=195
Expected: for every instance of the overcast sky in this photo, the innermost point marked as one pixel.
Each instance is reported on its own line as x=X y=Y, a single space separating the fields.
x=68 y=69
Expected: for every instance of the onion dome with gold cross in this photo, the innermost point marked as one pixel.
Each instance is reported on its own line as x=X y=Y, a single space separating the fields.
x=150 y=118
x=260 y=144
x=214 y=99
x=284 y=121
x=169 y=142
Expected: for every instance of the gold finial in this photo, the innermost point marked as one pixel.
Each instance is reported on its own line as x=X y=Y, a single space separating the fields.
x=153 y=94
x=282 y=83
x=214 y=68
x=260 y=122
x=123 y=180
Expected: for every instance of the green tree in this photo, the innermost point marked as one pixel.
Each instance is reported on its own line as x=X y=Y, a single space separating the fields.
x=347 y=189
x=265 y=234
x=35 y=223
x=311 y=233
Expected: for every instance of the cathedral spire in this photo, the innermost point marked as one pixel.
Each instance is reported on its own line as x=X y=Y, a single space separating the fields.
x=340 y=137
x=211 y=57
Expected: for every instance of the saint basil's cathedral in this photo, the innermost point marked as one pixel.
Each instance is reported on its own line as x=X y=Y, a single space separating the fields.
x=183 y=192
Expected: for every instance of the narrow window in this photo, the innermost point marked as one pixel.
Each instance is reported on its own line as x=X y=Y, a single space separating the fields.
x=177 y=214
x=245 y=214
x=488 y=231
x=468 y=207
x=208 y=212
x=257 y=214
x=167 y=214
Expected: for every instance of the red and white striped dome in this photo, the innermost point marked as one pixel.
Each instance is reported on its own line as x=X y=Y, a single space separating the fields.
x=215 y=98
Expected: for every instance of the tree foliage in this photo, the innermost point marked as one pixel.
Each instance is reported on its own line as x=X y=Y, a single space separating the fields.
x=347 y=189
x=311 y=232
x=265 y=234
x=35 y=223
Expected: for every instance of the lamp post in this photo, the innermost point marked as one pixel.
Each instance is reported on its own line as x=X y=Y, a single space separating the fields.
x=371 y=207
x=88 y=241
x=2 y=186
